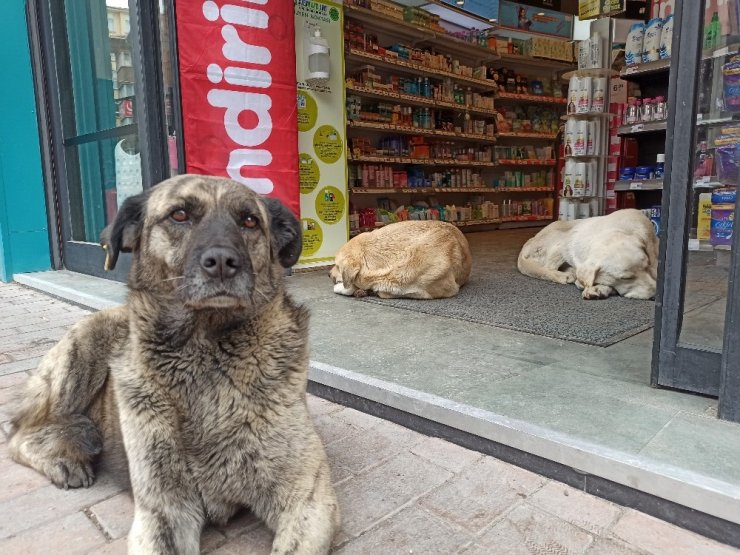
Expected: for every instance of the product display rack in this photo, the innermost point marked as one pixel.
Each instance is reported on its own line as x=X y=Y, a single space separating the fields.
x=369 y=71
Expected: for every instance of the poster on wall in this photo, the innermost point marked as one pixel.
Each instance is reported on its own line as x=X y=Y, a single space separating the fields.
x=322 y=142
x=522 y=17
x=238 y=87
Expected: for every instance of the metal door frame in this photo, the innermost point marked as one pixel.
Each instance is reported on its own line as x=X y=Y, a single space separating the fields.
x=674 y=364
x=87 y=257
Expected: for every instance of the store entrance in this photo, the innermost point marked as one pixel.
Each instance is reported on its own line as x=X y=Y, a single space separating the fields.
x=111 y=126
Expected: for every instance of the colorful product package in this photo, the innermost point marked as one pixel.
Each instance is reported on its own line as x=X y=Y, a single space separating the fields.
x=633 y=48
x=651 y=42
x=666 y=39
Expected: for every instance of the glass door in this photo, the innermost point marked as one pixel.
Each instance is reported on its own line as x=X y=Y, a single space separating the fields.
x=108 y=124
x=694 y=305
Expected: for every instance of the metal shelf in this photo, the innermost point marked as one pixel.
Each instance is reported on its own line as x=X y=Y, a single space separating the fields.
x=404 y=160
x=361 y=56
x=639 y=185
x=504 y=162
x=390 y=128
x=542 y=63
x=638 y=128
x=596 y=72
x=525 y=135
x=449 y=190
x=415 y=100
x=646 y=69
x=400 y=28
x=530 y=98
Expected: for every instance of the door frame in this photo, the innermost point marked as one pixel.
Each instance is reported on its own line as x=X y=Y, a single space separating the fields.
x=78 y=256
x=677 y=365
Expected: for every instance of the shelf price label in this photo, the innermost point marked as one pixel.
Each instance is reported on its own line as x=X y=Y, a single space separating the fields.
x=634 y=186
x=637 y=128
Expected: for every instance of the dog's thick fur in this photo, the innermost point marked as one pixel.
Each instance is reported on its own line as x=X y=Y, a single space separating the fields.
x=617 y=253
x=413 y=259
x=200 y=377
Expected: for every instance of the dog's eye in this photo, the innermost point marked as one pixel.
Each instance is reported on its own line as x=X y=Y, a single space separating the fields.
x=180 y=216
x=249 y=222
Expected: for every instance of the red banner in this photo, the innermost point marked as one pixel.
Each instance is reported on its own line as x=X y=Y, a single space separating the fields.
x=238 y=88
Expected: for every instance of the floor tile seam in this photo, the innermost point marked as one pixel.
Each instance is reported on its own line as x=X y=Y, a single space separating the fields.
x=657 y=434
x=599 y=532
x=92 y=517
x=410 y=502
x=396 y=454
x=462 y=468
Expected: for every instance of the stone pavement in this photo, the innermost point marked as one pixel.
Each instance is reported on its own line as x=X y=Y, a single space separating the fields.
x=400 y=492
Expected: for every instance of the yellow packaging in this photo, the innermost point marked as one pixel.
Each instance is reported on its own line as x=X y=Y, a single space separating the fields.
x=704 y=218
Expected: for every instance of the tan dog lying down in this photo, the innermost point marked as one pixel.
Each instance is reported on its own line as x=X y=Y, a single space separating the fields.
x=413 y=259
x=603 y=255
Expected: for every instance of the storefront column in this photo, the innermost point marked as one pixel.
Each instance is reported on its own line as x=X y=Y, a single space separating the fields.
x=24 y=234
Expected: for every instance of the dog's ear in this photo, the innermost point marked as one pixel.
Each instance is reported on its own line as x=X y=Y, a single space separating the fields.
x=285 y=230
x=124 y=233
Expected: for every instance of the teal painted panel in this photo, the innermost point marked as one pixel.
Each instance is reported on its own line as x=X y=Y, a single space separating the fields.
x=23 y=223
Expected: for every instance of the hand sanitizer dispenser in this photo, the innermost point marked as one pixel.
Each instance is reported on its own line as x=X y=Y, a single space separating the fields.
x=319 y=62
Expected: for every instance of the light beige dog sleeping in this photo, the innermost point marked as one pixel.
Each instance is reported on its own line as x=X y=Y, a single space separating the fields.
x=604 y=255
x=413 y=259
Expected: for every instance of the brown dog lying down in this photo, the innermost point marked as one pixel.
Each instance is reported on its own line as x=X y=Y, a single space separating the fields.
x=604 y=255
x=413 y=259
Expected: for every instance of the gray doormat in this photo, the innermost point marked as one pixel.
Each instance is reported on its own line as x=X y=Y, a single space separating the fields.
x=507 y=299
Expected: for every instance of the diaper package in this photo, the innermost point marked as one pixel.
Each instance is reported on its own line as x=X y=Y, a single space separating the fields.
x=633 y=48
x=651 y=41
x=666 y=38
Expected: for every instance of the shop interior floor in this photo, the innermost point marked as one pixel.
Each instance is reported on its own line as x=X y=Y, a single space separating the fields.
x=586 y=408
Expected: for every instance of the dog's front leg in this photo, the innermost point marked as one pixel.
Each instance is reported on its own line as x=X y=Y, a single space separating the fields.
x=307 y=525
x=168 y=513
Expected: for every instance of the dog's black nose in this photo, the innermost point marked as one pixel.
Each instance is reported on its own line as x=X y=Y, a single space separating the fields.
x=221 y=262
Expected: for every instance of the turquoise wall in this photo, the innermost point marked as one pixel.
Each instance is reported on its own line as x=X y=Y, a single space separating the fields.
x=24 y=234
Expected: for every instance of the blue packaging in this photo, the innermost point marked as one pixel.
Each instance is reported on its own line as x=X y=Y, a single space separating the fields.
x=627 y=174
x=644 y=172
x=724 y=196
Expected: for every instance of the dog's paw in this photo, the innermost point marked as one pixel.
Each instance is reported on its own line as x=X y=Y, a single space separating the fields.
x=359 y=293
x=67 y=474
x=596 y=292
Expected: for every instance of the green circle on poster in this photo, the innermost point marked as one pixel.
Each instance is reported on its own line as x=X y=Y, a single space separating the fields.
x=327 y=143
x=308 y=111
x=313 y=237
x=330 y=205
x=308 y=173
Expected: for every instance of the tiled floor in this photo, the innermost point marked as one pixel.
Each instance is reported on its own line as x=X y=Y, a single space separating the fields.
x=399 y=492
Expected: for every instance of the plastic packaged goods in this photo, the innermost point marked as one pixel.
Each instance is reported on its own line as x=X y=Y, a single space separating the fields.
x=666 y=38
x=584 y=96
x=574 y=87
x=651 y=41
x=568 y=178
x=584 y=54
x=579 y=180
x=570 y=136
x=591 y=138
x=598 y=100
x=660 y=166
x=580 y=144
x=633 y=48
x=595 y=51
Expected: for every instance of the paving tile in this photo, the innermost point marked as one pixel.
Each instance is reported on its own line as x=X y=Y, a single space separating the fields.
x=357 y=419
x=445 y=454
x=482 y=492
x=115 y=515
x=50 y=503
x=19 y=366
x=526 y=530
x=376 y=493
x=715 y=446
x=362 y=450
x=17 y=479
x=585 y=511
x=413 y=530
x=257 y=541
x=331 y=429
x=13 y=380
x=117 y=547
x=319 y=407
x=657 y=537
x=70 y=535
x=612 y=546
